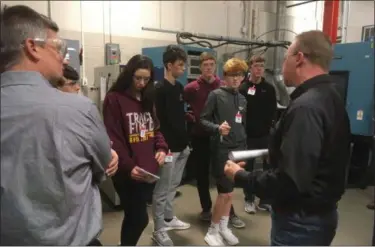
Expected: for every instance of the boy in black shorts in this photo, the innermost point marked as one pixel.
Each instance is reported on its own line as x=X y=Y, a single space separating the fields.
x=224 y=115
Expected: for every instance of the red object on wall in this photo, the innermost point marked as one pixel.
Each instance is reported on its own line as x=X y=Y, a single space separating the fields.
x=331 y=18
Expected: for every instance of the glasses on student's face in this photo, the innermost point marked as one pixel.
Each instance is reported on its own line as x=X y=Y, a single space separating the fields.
x=58 y=44
x=145 y=79
x=258 y=66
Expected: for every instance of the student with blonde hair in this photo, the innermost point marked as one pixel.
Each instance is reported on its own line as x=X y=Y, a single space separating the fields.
x=223 y=116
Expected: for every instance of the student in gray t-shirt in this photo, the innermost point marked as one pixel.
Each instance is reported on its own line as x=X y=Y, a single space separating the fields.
x=54 y=148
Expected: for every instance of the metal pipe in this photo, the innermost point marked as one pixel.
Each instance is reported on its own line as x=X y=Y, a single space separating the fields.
x=244 y=19
x=103 y=6
x=159 y=30
x=316 y=15
x=344 y=21
x=251 y=20
x=250 y=24
x=83 y=77
x=110 y=21
x=277 y=35
x=212 y=37
x=49 y=14
x=300 y=3
x=330 y=19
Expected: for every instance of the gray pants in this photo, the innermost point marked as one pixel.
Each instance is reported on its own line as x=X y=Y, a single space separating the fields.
x=165 y=189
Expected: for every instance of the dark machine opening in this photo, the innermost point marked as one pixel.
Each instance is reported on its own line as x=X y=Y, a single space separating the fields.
x=341 y=82
x=359 y=165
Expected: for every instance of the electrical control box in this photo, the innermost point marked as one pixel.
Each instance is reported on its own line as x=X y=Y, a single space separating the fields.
x=192 y=71
x=104 y=78
x=112 y=54
x=353 y=66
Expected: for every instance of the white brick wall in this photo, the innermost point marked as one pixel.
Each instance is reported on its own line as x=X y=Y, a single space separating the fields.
x=95 y=19
x=209 y=17
x=127 y=17
x=361 y=14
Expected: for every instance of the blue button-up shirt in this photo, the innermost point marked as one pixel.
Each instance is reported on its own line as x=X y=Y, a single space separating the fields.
x=54 y=152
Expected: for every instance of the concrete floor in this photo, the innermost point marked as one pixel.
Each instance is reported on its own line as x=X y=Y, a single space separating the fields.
x=355 y=222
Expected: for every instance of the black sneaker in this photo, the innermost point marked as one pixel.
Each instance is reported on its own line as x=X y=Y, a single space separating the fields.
x=236 y=222
x=205 y=216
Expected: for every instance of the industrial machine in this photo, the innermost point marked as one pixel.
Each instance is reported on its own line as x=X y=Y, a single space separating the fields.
x=104 y=76
x=353 y=65
x=192 y=71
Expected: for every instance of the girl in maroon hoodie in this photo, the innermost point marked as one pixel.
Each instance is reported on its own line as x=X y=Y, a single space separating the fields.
x=129 y=118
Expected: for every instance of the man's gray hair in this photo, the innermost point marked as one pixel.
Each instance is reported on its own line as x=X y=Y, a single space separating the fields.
x=19 y=23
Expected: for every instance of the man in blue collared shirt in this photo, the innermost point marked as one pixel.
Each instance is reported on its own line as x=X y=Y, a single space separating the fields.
x=54 y=147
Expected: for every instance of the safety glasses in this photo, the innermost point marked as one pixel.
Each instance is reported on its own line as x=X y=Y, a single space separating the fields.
x=58 y=44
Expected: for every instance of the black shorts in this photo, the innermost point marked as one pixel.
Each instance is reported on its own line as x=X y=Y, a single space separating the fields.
x=219 y=158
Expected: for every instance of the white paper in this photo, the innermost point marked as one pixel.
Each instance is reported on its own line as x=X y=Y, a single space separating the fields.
x=103 y=88
x=247 y=154
x=151 y=178
x=360 y=115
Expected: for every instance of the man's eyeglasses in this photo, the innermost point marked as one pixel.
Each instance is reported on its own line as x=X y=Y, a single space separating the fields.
x=295 y=54
x=71 y=83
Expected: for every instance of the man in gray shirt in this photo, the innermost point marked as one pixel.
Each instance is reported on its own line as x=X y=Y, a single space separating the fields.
x=54 y=148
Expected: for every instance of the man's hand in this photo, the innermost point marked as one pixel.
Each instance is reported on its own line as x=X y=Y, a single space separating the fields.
x=160 y=157
x=224 y=129
x=113 y=165
x=232 y=168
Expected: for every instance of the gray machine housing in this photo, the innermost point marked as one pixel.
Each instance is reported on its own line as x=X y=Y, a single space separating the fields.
x=109 y=74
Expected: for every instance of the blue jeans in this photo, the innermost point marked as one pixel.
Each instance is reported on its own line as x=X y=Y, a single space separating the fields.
x=297 y=229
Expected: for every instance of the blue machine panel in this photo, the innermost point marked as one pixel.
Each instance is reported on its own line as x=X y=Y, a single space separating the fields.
x=156 y=54
x=355 y=61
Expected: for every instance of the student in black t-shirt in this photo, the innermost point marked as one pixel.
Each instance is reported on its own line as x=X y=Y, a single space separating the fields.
x=261 y=111
x=170 y=109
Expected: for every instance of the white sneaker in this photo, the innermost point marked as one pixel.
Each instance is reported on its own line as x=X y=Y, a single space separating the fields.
x=213 y=237
x=250 y=208
x=228 y=236
x=176 y=224
x=162 y=238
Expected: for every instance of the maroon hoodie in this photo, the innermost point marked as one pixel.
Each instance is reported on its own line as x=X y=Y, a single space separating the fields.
x=124 y=119
x=195 y=94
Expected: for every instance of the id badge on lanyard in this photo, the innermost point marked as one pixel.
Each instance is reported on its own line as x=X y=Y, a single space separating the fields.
x=143 y=131
x=251 y=91
x=238 y=117
x=169 y=157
